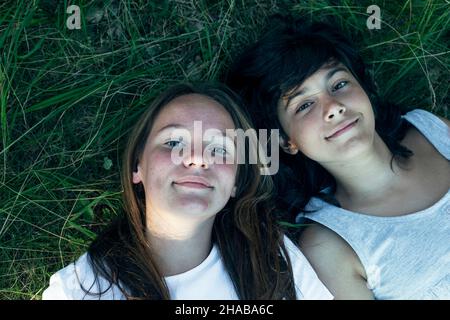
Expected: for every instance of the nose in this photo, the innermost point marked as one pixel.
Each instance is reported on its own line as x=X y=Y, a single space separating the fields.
x=332 y=109
x=195 y=160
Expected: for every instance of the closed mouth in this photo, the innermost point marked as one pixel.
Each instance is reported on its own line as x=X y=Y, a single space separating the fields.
x=342 y=128
x=193 y=182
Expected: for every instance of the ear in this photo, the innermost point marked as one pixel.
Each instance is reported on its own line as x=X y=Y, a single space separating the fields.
x=233 y=192
x=137 y=175
x=288 y=146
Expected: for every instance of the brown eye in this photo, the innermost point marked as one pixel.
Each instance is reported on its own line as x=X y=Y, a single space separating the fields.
x=303 y=107
x=340 y=85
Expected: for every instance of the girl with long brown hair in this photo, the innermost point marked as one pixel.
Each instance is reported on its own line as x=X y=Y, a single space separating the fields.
x=194 y=229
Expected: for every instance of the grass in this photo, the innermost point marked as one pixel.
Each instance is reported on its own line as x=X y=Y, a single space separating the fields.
x=69 y=97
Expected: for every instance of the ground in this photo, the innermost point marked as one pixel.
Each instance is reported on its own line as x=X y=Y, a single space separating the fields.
x=68 y=98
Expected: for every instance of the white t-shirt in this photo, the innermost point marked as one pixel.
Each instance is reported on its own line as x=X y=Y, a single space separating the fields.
x=207 y=281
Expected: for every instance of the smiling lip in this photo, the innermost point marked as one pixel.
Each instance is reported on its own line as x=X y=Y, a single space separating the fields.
x=193 y=182
x=347 y=125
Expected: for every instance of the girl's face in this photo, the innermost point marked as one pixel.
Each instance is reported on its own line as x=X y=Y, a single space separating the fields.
x=194 y=187
x=329 y=117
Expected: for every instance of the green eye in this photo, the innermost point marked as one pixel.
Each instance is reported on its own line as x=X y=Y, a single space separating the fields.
x=173 y=143
x=219 y=151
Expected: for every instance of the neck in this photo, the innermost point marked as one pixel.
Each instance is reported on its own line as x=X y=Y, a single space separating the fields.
x=179 y=244
x=366 y=177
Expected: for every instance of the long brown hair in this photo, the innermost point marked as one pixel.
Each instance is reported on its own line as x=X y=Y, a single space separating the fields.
x=245 y=230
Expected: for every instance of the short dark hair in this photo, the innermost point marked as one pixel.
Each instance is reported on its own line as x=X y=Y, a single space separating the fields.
x=289 y=52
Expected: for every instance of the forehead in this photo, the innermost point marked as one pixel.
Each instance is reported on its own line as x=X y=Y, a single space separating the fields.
x=185 y=109
x=326 y=72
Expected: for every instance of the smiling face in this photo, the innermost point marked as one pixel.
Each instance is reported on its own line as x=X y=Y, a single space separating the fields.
x=329 y=117
x=195 y=187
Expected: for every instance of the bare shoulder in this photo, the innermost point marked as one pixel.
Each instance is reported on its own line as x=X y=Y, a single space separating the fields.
x=416 y=141
x=335 y=262
x=320 y=240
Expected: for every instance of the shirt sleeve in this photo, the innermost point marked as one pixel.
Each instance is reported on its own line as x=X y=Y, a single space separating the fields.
x=55 y=291
x=64 y=284
x=308 y=286
x=71 y=283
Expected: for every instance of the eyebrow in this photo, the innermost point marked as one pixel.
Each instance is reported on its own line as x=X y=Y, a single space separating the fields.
x=302 y=91
x=178 y=126
x=170 y=126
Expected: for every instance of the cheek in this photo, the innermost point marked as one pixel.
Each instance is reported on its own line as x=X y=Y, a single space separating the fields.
x=306 y=133
x=158 y=165
x=360 y=103
x=357 y=98
x=226 y=175
x=365 y=101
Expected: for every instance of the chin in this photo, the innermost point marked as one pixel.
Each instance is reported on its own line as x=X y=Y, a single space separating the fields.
x=354 y=147
x=193 y=206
